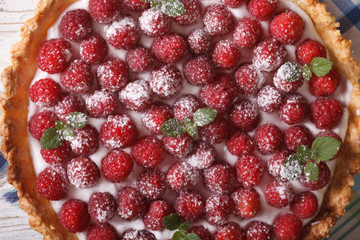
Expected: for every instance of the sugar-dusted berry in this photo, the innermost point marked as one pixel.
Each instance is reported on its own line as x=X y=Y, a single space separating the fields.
x=202 y=156
x=69 y=103
x=293 y=109
x=189 y=206
x=52 y=183
x=179 y=147
x=249 y=80
x=102 y=231
x=61 y=154
x=296 y=136
x=230 y=231
x=247 y=32
x=246 y=202
x=122 y=33
x=262 y=9
x=268 y=55
x=220 y=178
x=215 y=132
x=268 y=99
x=181 y=176
x=151 y=184
x=86 y=141
x=326 y=113
x=131 y=204
x=240 y=143
x=199 y=71
x=201 y=231
x=75 y=24
x=139 y=59
x=116 y=166
x=82 y=172
x=74 y=215
x=276 y=162
x=153 y=219
x=41 y=121
x=285 y=86
x=104 y=11
x=44 y=92
x=169 y=48
x=132 y=234
x=279 y=194
x=77 y=78
x=112 y=75
x=218 y=20
x=304 y=205
x=93 y=49
x=218 y=208
x=287 y=27
x=233 y=3
x=136 y=95
x=148 y=152
x=192 y=12
x=154 y=23
x=199 y=41
x=322 y=180
x=249 y=170
x=326 y=85
x=155 y=115
x=186 y=106
x=166 y=81
x=245 y=115
x=100 y=104
x=287 y=227
x=257 y=230
x=308 y=50
x=268 y=138
x=101 y=207
x=226 y=54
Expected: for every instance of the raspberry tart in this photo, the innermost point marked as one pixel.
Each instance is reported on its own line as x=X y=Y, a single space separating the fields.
x=185 y=119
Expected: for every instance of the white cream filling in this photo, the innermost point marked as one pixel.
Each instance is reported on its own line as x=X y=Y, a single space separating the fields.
x=267 y=213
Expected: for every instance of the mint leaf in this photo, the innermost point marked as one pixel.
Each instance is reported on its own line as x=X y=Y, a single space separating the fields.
x=156 y=4
x=320 y=66
x=204 y=116
x=178 y=235
x=59 y=125
x=303 y=153
x=173 y=8
x=68 y=134
x=50 y=139
x=290 y=72
x=76 y=120
x=190 y=127
x=192 y=236
x=172 y=222
x=325 y=148
x=306 y=72
x=292 y=168
x=184 y=226
x=311 y=171
x=172 y=128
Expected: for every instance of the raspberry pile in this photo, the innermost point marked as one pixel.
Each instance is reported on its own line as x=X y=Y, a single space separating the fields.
x=129 y=88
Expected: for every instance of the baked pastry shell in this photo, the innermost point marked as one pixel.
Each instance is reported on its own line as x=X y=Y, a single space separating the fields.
x=14 y=103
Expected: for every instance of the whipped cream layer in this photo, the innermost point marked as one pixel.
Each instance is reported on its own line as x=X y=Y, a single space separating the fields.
x=267 y=213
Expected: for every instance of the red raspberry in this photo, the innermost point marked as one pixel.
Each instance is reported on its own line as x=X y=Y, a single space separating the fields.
x=226 y=54
x=86 y=141
x=326 y=113
x=82 y=172
x=202 y=156
x=122 y=33
x=287 y=27
x=93 y=49
x=69 y=103
x=169 y=48
x=293 y=109
x=77 y=78
x=136 y=95
x=269 y=54
x=333 y=135
x=132 y=234
x=54 y=55
x=240 y=143
x=279 y=194
x=246 y=201
x=245 y=115
x=52 y=183
x=186 y=106
x=323 y=178
x=249 y=79
x=249 y=170
x=220 y=178
x=218 y=208
x=178 y=147
x=215 y=132
x=74 y=216
x=136 y=5
x=76 y=25
x=268 y=99
x=304 y=205
x=221 y=94
x=101 y=207
x=326 y=85
x=276 y=162
x=285 y=86
x=199 y=71
x=112 y=75
x=296 y=136
x=268 y=138
x=181 y=176
x=148 y=152
x=131 y=205
x=166 y=81
x=155 y=115
x=203 y=233
x=257 y=230
x=101 y=104
x=153 y=219
x=151 y=184
x=233 y=3
x=230 y=231
x=154 y=23
x=44 y=92
x=189 y=206
x=192 y=12
x=139 y=59
x=61 y=154
x=118 y=131
x=308 y=50
x=41 y=121
x=287 y=227
x=247 y=32
x=102 y=231
x=116 y=166
x=104 y=11
x=262 y=9
x=218 y=20
x=199 y=41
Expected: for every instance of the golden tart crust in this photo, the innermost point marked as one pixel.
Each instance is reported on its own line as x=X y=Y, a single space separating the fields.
x=14 y=104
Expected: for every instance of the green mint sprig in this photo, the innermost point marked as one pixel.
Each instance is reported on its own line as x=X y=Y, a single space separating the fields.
x=174 y=128
x=172 y=8
x=53 y=137
x=291 y=72
x=322 y=149
x=173 y=222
